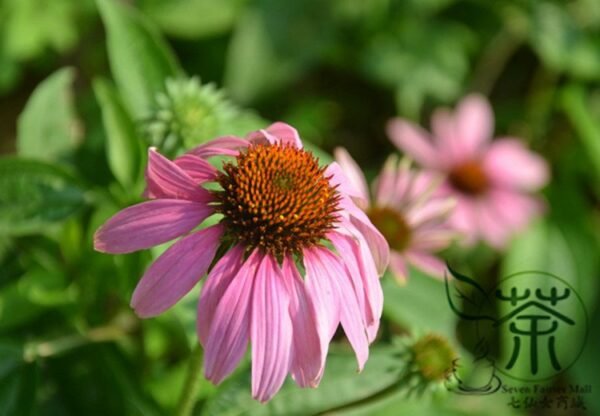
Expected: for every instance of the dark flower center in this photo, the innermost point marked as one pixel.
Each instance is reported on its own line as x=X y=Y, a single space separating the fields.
x=277 y=198
x=392 y=225
x=469 y=178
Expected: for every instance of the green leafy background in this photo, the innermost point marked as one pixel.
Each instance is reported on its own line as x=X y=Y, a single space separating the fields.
x=78 y=80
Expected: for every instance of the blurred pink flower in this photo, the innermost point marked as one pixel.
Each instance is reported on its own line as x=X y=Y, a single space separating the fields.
x=278 y=207
x=413 y=223
x=491 y=180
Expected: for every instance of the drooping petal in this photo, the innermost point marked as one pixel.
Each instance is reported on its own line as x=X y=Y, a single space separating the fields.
x=230 y=329
x=148 y=224
x=176 y=272
x=167 y=180
x=307 y=356
x=221 y=146
x=492 y=226
x=385 y=184
x=433 y=211
x=330 y=268
x=414 y=141
x=353 y=173
x=271 y=330
x=398 y=267
x=426 y=262
x=217 y=282
x=464 y=219
x=446 y=138
x=515 y=208
x=474 y=123
x=376 y=241
x=510 y=165
x=279 y=132
x=339 y=180
x=198 y=169
x=355 y=254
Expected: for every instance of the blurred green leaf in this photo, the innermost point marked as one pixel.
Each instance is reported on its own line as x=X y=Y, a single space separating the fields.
x=420 y=60
x=35 y=194
x=192 y=18
x=273 y=44
x=32 y=293
x=340 y=385
x=562 y=43
x=420 y=305
x=123 y=146
x=48 y=127
x=139 y=57
x=575 y=106
x=18 y=388
x=31 y=26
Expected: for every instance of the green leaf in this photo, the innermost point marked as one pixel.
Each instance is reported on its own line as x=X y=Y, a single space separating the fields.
x=419 y=305
x=35 y=194
x=562 y=43
x=123 y=146
x=340 y=385
x=48 y=127
x=18 y=390
x=576 y=107
x=139 y=57
x=192 y=19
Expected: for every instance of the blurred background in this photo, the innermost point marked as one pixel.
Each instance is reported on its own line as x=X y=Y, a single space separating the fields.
x=86 y=87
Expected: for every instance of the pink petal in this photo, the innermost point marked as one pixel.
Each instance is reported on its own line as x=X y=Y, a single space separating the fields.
x=221 y=146
x=433 y=239
x=516 y=209
x=464 y=219
x=327 y=266
x=433 y=211
x=307 y=358
x=325 y=299
x=386 y=183
x=339 y=180
x=279 y=132
x=363 y=273
x=353 y=173
x=427 y=263
x=474 y=123
x=414 y=141
x=447 y=138
x=217 y=282
x=148 y=224
x=376 y=241
x=492 y=226
x=198 y=169
x=509 y=164
x=176 y=272
x=230 y=328
x=398 y=267
x=167 y=180
x=271 y=330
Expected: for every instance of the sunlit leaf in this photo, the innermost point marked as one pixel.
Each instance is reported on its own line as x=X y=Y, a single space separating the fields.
x=48 y=127
x=139 y=57
x=123 y=147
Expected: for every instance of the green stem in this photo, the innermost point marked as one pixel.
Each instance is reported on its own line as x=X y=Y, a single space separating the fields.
x=187 y=399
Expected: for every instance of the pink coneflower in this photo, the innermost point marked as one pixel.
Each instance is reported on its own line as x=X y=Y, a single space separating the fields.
x=491 y=180
x=404 y=211
x=275 y=280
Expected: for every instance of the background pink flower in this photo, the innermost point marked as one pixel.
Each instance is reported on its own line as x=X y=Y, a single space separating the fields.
x=278 y=205
x=413 y=223
x=492 y=181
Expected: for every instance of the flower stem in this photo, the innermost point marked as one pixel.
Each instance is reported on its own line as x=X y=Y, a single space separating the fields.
x=187 y=399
